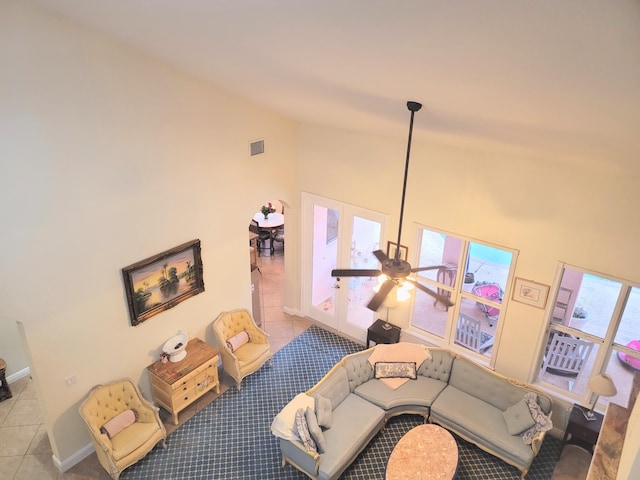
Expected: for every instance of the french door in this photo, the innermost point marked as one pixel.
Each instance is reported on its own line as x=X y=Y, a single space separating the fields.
x=338 y=235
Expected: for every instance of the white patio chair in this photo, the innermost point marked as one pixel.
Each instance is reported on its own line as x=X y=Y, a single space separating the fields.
x=566 y=356
x=470 y=335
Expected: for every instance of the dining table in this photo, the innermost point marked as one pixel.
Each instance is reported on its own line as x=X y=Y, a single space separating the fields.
x=272 y=223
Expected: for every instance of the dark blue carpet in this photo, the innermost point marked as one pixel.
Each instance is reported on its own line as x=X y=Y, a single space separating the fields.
x=230 y=439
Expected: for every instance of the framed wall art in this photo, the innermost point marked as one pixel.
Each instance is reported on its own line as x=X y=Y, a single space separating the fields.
x=162 y=281
x=531 y=293
x=391 y=251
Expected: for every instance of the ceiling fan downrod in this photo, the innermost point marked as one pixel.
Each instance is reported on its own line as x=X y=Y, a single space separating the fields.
x=413 y=108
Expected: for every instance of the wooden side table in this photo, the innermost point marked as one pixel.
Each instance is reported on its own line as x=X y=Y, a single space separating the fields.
x=378 y=334
x=5 y=391
x=584 y=431
x=176 y=385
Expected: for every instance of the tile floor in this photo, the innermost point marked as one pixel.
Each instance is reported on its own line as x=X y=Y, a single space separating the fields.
x=25 y=453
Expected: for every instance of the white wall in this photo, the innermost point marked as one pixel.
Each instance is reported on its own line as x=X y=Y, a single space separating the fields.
x=108 y=157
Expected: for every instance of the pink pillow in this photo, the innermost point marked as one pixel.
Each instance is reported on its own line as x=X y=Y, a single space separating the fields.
x=239 y=339
x=119 y=423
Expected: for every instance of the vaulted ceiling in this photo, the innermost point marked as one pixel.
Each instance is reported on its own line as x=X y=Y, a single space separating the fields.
x=556 y=76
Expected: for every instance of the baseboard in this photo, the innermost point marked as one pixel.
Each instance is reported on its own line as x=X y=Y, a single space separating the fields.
x=25 y=372
x=292 y=311
x=74 y=459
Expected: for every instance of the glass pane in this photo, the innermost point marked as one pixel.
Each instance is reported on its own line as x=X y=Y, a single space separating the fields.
x=325 y=258
x=621 y=368
x=629 y=330
x=568 y=361
x=429 y=315
x=474 y=330
x=439 y=249
x=436 y=249
x=585 y=302
x=365 y=239
x=487 y=265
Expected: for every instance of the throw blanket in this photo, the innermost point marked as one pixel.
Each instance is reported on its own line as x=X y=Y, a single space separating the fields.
x=398 y=352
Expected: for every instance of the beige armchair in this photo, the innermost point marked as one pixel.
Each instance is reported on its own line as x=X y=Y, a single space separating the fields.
x=247 y=358
x=133 y=442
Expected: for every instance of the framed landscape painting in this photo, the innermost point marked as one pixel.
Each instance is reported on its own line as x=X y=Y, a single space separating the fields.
x=162 y=281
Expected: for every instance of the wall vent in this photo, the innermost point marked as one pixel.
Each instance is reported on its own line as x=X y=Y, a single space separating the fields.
x=256 y=148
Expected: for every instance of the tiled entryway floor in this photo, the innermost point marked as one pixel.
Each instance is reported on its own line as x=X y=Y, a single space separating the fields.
x=25 y=453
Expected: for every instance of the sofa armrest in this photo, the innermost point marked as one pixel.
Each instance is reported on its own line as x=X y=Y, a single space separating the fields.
x=536 y=441
x=295 y=453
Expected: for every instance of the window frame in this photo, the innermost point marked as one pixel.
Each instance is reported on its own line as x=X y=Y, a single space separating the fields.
x=605 y=345
x=458 y=294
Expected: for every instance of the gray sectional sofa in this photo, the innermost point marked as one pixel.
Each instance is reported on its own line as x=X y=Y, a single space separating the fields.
x=454 y=392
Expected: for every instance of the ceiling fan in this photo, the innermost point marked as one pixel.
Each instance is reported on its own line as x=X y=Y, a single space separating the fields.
x=395 y=271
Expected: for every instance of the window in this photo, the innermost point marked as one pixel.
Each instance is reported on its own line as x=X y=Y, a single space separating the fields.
x=474 y=277
x=595 y=325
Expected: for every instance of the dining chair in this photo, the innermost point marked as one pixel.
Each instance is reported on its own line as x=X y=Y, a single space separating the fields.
x=263 y=236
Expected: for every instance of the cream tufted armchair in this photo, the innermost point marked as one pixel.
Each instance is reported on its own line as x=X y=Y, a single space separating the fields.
x=103 y=403
x=249 y=357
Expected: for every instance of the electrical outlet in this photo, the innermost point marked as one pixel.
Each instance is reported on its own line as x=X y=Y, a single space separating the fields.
x=70 y=380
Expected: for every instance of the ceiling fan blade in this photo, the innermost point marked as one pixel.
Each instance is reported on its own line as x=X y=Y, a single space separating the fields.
x=442 y=299
x=422 y=269
x=381 y=256
x=378 y=298
x=355 y=273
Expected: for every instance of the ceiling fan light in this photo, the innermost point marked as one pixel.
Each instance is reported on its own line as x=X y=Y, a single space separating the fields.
x=403 y=295
x=381 y=279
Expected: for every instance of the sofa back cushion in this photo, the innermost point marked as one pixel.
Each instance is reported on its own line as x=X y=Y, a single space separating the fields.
x=487 y=386
x=358 y=368
x=438 y=366
x=334 y=386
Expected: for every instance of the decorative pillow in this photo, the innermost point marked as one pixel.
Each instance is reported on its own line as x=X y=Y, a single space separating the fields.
x=284 y=425
x=324 y=411
x=119 y=423
x=239 y=339
x=542 y=422
x=303 y=430
x=315 y=431
x=518 y=418
x=396 y=370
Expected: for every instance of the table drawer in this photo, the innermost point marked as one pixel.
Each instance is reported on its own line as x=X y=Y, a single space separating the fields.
x=207 y=378
x=183 y=399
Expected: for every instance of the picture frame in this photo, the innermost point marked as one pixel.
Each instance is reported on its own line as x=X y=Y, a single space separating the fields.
x=391 y=251
x=162 y=281
x=530 y=292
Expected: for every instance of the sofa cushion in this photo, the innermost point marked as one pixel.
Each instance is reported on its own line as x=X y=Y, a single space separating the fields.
x=119 y=422
x=354 y=421
x=480 y=423
x=314 y=430
x=422 y=392
x=395 y=370
x=303 y=430
x=283 y=425
x=541 y=422
x=399 y=352
x=335 y=387
x=131 y=438
x=518 y=418
x=324 y=411
x=484 y=384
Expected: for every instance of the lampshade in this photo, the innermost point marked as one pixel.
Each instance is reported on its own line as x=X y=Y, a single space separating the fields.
x=603 y=385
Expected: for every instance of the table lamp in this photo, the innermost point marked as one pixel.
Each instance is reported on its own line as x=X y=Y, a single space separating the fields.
x=600 y=385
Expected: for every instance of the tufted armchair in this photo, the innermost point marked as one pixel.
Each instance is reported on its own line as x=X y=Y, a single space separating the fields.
x=249 y=357
x=132 y=443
